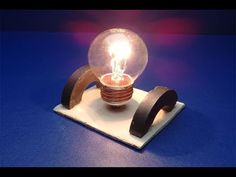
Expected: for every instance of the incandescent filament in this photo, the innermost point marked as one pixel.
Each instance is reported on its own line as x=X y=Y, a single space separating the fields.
x=119 y=52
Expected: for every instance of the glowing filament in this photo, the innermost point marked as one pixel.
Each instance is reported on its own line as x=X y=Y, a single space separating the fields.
x=119 y=52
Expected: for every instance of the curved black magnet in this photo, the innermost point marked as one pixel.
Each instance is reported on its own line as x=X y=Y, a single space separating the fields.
x=75 y=86
x=157 y=99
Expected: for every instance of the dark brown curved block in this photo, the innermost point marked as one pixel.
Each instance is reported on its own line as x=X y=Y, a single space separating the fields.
x=157 y=99
x=75 y=86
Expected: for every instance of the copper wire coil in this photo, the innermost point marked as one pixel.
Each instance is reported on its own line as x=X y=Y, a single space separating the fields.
x=118 y=89
x=116 y=95
x=117 y=99
x=122 y=97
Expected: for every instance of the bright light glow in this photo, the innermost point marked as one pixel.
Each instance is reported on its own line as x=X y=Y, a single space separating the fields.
x=119 y=51
x=117 y=56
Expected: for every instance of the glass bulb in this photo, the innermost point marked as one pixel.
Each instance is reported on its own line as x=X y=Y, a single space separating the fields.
x=117 y=57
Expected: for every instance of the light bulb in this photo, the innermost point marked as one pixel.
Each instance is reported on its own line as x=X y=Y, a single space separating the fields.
x=117 y=57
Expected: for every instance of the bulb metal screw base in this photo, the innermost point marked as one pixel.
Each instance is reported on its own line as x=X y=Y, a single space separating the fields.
x=116 y=96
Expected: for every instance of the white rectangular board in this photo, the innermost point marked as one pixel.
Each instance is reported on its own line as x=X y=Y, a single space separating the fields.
x=96 y=114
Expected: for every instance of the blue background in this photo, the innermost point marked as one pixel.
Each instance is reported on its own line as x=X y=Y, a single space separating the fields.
x=190 y=51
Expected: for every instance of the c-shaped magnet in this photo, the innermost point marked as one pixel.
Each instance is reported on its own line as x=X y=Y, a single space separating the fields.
x=157 y=99
x=75 y=86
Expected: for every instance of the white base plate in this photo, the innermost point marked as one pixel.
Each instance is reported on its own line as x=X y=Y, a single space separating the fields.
x=115 y=123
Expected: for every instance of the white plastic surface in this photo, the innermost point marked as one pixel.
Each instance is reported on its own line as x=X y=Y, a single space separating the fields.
x=94 y=113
